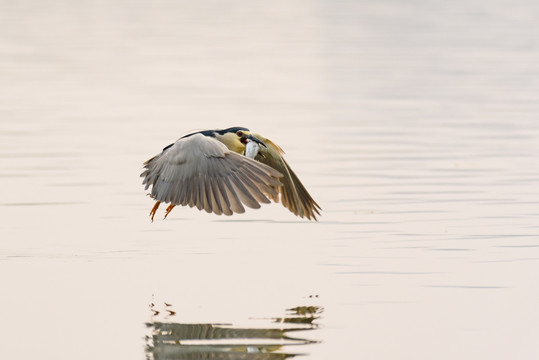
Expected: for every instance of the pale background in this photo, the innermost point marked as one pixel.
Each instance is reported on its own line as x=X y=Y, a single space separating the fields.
x=414 y=124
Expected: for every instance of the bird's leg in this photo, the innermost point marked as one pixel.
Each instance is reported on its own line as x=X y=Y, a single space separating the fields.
x=169 y=209
x=154 y=209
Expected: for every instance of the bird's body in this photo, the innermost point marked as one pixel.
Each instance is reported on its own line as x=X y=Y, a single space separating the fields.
x=222 y=170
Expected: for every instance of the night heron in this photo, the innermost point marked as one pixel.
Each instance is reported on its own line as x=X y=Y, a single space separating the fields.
x=222 y=170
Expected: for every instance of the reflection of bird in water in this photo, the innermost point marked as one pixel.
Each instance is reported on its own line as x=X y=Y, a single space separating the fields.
x=222 y=170
x=153 y=309
x=170 y=311
x=156 y=312
x=176 y=340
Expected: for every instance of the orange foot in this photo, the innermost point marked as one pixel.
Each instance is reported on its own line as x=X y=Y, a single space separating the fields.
x=154 y=209
x=169 y=209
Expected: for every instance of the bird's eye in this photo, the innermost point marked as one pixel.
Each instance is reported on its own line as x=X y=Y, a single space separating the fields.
x=239 y=133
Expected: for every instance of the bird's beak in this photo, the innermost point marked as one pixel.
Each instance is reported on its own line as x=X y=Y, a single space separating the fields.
x=256 y=140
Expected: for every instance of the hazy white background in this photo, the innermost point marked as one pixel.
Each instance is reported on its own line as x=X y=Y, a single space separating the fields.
x=414 y=124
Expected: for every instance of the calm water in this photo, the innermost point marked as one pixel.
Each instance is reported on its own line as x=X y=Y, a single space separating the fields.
x=415 y=125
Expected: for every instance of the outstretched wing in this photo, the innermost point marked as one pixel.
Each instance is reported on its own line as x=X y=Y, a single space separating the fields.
x=294 y=196
x=201 y=171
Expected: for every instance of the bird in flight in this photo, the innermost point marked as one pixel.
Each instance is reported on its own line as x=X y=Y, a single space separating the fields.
x=220 y=171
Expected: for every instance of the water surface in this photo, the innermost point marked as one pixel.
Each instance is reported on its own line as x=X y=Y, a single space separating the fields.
x=413 y=125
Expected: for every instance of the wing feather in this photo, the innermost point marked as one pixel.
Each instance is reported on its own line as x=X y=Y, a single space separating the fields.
x=254 y=190
x=293 y=194
x=215 y=198
x=268 y=189
x=225 y=203
x=243 y=193
x=200 y=171
x=235 y=203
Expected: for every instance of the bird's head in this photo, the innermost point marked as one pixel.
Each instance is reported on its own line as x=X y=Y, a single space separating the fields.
x=246 y=136
x=236 y=138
